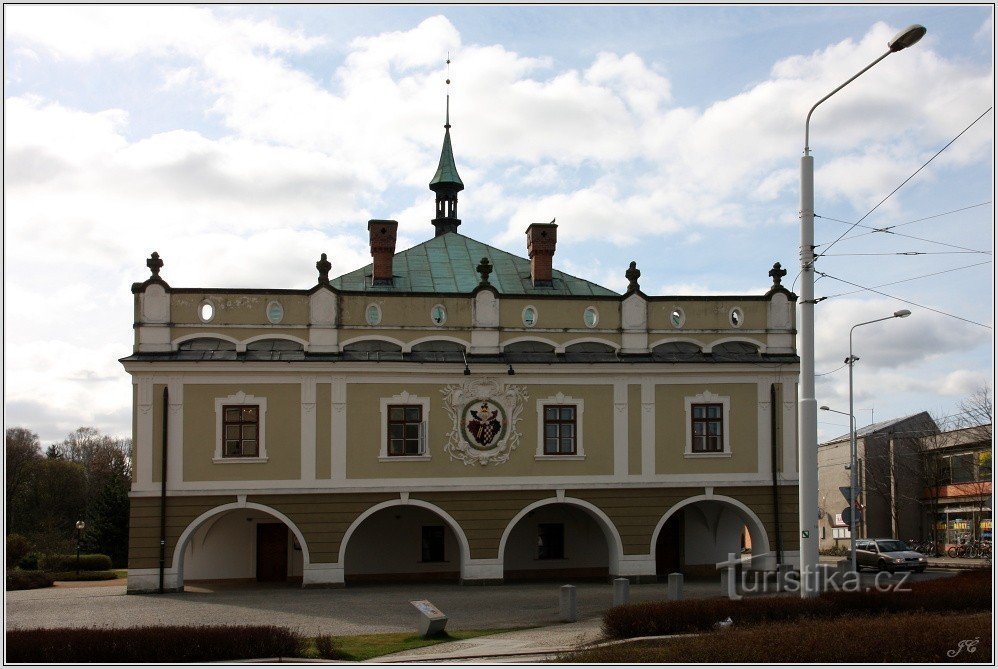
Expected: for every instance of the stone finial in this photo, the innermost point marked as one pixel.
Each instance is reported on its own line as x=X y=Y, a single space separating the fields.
x=632 y=274
x=484 y=269
x=323 y=266
x=777 y=273
x=154 y=263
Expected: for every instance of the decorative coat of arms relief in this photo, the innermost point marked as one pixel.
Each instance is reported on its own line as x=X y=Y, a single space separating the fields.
x=484 y=414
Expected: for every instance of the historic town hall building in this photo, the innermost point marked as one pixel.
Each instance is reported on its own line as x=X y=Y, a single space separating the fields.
x=454 y=411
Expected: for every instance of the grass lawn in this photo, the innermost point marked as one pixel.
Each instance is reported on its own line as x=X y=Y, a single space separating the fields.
x=365 y=646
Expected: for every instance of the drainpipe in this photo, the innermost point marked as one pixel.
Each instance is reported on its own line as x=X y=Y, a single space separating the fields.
x=162 y=491
x=776 y=489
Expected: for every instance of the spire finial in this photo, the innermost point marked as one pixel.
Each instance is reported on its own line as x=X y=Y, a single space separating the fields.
x=447 y=119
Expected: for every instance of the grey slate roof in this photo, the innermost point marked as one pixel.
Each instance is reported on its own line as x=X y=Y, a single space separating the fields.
x=875 y=427
x=446 y=264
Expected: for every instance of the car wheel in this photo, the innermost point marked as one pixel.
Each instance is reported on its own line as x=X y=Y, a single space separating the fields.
x=883 y=566
x=952 y=552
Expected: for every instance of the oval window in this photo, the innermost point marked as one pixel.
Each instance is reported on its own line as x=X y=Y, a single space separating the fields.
x=275 y=312
x=438 y=314
x=206 y=311
x=677 y=318
x=373 y=314
x=529 y=316
x=591 y=317
x=736 y=317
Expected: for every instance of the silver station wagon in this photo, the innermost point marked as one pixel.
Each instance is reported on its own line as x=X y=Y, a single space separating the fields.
x=888 y=555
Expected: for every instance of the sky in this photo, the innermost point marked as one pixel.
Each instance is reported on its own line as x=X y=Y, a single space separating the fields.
x=241 y=141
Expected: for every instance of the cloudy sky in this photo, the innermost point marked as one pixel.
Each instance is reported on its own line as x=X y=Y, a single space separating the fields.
x=242 y=141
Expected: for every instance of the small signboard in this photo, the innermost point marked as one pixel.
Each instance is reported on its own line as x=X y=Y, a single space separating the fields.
x=847 y=517
x=431 y=619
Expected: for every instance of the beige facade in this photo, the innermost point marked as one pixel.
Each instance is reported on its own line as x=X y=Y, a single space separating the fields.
x=455 y=411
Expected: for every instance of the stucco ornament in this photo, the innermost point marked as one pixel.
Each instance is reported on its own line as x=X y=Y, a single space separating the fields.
x=484 y=414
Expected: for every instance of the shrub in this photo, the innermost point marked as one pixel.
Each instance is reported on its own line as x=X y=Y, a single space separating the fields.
x=908 y=638
x=152 y=644
x=328 y=648
x=88 y=562
x=27 y=580
x=83 y=575
x=17 y=547
x=968 y=591
x=29 y=561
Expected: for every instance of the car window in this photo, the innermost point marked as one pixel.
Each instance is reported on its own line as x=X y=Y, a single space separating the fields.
x=864 y=546
x=892 y=545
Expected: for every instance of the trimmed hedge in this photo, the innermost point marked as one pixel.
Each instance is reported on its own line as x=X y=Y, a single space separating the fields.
x=153 y=644
x=88 y=562
x=83 y=576
x=18 y=579
x=968 y=591
x=914 y=638
x=17 y=547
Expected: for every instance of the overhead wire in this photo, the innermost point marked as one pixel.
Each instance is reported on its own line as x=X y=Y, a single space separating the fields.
x=923 y=276
x=912 y=176
x=901 y=299
x=889 y=228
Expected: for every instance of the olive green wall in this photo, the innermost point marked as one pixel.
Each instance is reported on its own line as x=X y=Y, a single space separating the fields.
x=634 y=429
x=482 y=515
x=236 y=309
x=157 y=432
x=670 y=429
x=405 y=310
x=560 y=313
x=708 y=314
x=283 y=433
x=364 y=435
x=323 y=416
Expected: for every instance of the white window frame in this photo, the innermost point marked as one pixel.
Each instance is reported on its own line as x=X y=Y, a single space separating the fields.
x=707 y=397
x=405 y=398
x=562 y=400
x=243 y=399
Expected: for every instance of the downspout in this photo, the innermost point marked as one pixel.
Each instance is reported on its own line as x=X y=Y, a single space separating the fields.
x=162 y=491
x=776 y=490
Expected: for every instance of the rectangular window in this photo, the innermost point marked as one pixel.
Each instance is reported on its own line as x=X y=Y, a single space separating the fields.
x=240 y=430
x=559 y=430
x=433 y=543
x=405 y=427
x=962 y=468
x=550 y=541
x=708 y=428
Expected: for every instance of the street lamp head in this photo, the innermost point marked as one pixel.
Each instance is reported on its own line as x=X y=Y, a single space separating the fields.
x=906 y=38
x=80 y=525
x=824 y=408
x=904 y=313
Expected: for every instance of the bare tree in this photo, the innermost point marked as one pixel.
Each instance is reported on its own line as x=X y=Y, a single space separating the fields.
x=23 y=450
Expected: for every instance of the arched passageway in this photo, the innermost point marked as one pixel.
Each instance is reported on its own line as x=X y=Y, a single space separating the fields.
x=698 y=533
x=557 y=541
x=249 y=544
x=402 y=543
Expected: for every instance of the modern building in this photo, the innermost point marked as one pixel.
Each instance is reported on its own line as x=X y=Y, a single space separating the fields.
x=891 y=465
x=957 y=495
x=454 y=411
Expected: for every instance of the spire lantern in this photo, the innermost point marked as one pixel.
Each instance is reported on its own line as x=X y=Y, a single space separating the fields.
x=446 y=182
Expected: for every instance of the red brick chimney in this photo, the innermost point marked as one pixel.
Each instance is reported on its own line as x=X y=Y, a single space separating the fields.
x=382 y=250
x=541 y=240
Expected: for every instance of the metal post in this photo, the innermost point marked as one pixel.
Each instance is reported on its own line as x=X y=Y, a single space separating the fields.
x=78 y=538
x=854 y=524
x=807 y=405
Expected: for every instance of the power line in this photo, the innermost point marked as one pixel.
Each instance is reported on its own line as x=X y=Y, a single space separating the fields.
x=833 y=371
x=908 y=253
x=891 y=232
x=924 y=165
x=889 y=228
x=923 y=276
x=901 y=299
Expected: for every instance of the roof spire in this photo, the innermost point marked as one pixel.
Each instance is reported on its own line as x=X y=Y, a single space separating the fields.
x=446 y=183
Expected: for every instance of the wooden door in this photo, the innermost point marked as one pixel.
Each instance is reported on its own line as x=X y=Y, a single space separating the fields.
x=669 y=546
x=271 y=552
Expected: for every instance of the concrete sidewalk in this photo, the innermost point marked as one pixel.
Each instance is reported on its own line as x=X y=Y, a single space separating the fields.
x=531 y=645
x=933 y=562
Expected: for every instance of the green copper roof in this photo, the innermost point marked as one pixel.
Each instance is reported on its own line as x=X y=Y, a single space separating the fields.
x=446 y=264
x=446 y=170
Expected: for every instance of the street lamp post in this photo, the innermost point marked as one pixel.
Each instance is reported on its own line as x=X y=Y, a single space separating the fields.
x=807 y=414
x=79 y=536
x=852 y=492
